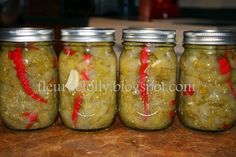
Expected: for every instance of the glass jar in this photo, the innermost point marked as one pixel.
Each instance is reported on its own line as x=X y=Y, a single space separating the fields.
x=208 y=76
x=87 y=67
x=28 y=77
x=147 y=78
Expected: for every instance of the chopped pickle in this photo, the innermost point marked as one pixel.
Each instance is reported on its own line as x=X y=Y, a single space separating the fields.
x=90 y=102
x=27 y=80
x=211 y=69
x=139 y=74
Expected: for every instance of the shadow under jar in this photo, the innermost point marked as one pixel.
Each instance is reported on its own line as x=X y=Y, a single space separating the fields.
x=28 y=76
x=147 y=78
x=208 y=73
x=87 y=68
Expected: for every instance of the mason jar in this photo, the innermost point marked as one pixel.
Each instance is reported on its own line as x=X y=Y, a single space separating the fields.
x=87 y=67
x=28 y=77
x=148 y=63
x=208 y=75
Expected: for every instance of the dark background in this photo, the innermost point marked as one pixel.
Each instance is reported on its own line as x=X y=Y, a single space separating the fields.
x=77 y=12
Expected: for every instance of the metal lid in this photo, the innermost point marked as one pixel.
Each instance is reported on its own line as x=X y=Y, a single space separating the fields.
x=26 y=34
x=88 y=34
x=149 y=35
x=210 y=37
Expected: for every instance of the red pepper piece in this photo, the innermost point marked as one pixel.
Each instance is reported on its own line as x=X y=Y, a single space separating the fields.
x=229 y=82
x=68 y=51
x=85 y=75
x=32 y=118
x=29 y=125
x=172 y=102
x=225 y=68
x=17 y=57
x=87 y=57
x=172 y=114
x=79 y=99
x=227 y=126
x=77 y=104
x=143 y=79
x=224 y=65
x=189 y=91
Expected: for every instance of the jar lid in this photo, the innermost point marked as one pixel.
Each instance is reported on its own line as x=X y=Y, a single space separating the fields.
x=210 y=37
x=26 y=34
x=149 y=35
x=88 y=34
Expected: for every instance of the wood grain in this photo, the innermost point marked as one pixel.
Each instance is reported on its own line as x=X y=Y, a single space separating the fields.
x=117 y=141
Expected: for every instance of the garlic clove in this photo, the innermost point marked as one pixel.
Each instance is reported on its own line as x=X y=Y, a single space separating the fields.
x=73 y=80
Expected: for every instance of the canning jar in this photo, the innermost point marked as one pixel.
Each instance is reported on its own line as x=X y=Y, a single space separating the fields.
x=87 y=67
x=208 y=75
x=147 y=78
x=28 y=77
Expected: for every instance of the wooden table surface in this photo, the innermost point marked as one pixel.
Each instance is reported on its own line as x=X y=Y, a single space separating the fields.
x=117 y=141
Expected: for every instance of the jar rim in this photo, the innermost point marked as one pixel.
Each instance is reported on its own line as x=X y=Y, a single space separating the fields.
x=139 y=34
x=210 y=37
x=26 y=34
x=88 y=34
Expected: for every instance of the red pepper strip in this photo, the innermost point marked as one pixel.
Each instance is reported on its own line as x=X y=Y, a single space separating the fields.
x=143 y=79
x=227 y=126
x=188 y=91
x=77 y=104
x=229 y=82
x=87 y=58
x=225 y=68
x=17 y=58
x=224 y=65
x=68 y=51
x=85 y=75
x=172 y=102
x=172 y=114
x=79 y=99
x=32 y=118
